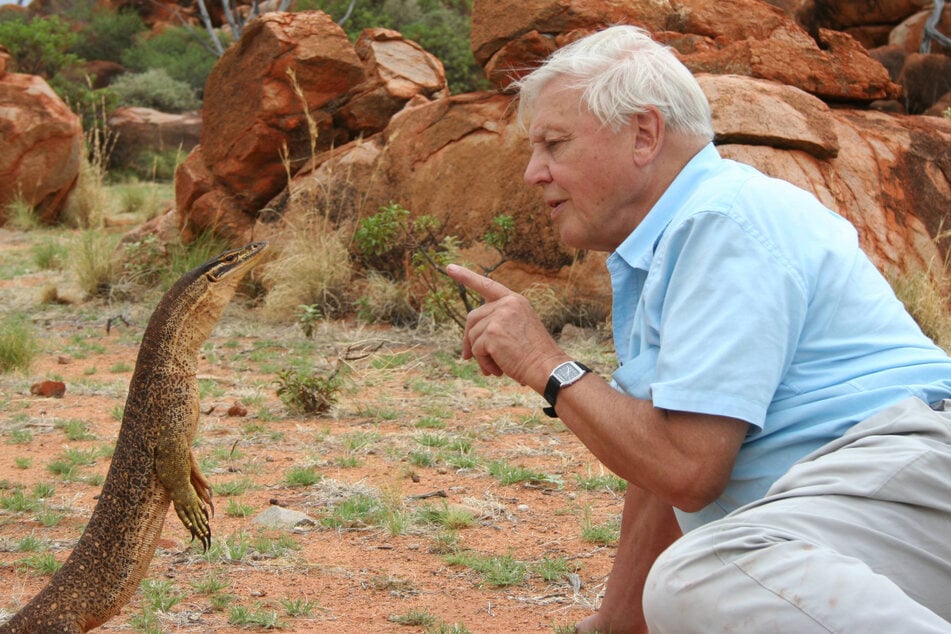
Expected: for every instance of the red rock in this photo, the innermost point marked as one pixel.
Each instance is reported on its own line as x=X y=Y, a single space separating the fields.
x=54 y=389
x=397 y=70
x=142 y=129
x=41 y=143
x=238 y=409
x=254 y=119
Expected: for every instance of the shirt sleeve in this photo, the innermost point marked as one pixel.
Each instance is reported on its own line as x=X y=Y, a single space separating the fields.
x=728 y=309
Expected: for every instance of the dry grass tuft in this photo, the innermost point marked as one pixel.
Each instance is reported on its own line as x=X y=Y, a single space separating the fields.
x=924 y=293
x=312 y=269
x=383 y=300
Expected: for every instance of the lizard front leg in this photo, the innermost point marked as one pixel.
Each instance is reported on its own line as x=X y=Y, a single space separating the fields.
x=176 y=470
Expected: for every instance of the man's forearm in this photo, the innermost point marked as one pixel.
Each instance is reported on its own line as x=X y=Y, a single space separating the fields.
x=648 y=527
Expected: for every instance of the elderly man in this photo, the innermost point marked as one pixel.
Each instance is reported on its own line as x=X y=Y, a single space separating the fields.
x=779 y=416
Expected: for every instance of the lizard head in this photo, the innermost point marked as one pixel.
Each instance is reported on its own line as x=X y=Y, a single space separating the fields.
x=233 y=264
x=192 y=307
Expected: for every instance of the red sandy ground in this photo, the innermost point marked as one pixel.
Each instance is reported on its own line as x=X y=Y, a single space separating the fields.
x=355 y=579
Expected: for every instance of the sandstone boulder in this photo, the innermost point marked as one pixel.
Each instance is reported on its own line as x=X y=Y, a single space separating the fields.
x=747 y=37
x=264 y=98
x=397 y=70
x=41 y=145
x=142 y=130
x=757 y=112
x=291 y=88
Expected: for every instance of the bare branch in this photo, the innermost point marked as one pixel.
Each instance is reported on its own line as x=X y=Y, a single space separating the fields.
x=206 y=20
x=346 y=16
x=931 y=29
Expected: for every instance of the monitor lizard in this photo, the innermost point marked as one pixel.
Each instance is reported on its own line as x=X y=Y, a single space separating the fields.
x=152 y=465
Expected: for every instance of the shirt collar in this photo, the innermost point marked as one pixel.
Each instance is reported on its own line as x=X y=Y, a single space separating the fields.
x=638 y=248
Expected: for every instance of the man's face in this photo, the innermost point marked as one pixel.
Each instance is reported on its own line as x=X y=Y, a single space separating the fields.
x=587 y=173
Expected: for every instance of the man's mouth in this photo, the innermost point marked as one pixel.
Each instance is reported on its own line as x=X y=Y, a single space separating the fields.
x=555 y=205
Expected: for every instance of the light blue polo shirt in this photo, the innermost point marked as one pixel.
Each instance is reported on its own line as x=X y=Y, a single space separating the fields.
x=743 y=296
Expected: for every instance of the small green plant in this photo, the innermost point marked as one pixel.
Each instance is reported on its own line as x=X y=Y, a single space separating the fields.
x=258 y=616
x=447 y=628
x=507 y=473
x=30 y=544
x=160 y=595
x=359 y=441
x=497 y=571
x=20 y=437
x=93 y=264
x=49 y=518
x=603 y=534
x=307 y=392
x=44 y=490
x=21 y=215
x=229 y=488
x=298 y=607
x=76 y=430
x=49 y=255
x=18 y=502
x=446 y=516
x=18 y=344
x=302 y=477
x=415 y=616
x=40 y=563
x=212 y=584
x=308 y=318
x=357 y=511
x=552 y=569
x=605 y=481
x=237 y=509
x=234 y=548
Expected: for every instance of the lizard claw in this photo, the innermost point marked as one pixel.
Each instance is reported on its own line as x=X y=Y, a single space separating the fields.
x=195 y=518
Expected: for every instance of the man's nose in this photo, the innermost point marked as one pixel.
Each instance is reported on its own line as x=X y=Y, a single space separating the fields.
x=536 y=172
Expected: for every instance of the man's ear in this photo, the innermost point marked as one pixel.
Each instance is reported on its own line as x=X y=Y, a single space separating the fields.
x=648 y=129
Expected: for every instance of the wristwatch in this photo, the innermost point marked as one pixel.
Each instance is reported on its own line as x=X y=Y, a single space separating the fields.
x=562 y=376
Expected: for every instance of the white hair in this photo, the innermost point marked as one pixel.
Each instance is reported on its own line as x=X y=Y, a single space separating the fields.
x=622 y=71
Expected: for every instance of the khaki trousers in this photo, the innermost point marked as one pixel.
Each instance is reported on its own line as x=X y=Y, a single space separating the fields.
x=856 y=537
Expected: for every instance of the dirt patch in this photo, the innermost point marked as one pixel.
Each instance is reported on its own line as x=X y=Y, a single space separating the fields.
x=437 y=497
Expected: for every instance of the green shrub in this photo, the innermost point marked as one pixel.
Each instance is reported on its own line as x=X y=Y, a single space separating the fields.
x=177 y=51
x=107 y=34
x=155 y=89
x=445 y=33
x=39 y=46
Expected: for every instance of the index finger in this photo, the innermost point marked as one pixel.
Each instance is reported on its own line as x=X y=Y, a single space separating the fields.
x=487 y=288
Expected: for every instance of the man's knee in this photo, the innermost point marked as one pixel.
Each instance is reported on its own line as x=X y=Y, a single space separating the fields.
x=678 y=587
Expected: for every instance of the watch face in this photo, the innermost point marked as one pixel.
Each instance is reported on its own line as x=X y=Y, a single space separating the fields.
x=567 y=372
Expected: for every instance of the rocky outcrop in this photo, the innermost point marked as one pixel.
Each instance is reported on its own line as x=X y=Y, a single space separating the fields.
x=746 y=37
x=293 y=86
x=41 y=144
x=460 y=160
x=786 y=98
